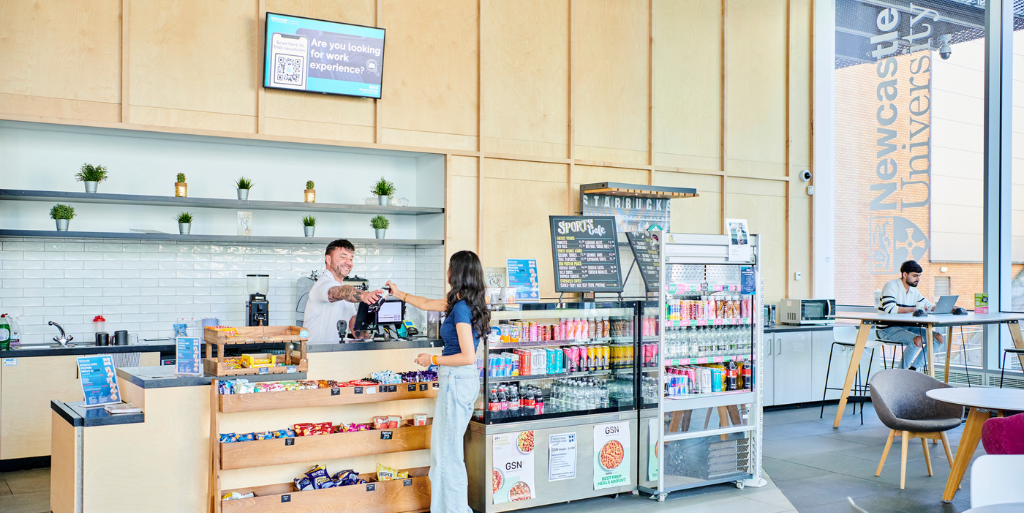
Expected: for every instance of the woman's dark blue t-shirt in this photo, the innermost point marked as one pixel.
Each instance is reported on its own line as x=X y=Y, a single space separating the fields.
x=460 y=313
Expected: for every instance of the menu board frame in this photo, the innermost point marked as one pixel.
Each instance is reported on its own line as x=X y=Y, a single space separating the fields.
x=650 y=284
x=614 y=237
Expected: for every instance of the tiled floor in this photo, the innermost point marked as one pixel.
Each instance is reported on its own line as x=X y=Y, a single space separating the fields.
x=817 y=467
x=813 y=468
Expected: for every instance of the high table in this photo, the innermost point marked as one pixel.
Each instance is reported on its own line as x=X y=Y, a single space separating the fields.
x=980 y=402
x=870 y=319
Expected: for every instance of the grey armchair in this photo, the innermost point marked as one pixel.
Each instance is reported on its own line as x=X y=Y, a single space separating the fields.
x=901 y=404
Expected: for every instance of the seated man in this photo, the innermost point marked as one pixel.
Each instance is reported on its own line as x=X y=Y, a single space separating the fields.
x=902 y=296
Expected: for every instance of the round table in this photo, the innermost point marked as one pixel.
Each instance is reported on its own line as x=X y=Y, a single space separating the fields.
x=1009 y=507
x=980 y=402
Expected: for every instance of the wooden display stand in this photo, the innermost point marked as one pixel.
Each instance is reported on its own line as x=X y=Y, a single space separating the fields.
x=255 y=335
x=399 y=496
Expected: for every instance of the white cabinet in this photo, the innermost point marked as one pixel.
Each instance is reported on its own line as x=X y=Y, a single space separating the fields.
x=793 y=365
x=768 y=368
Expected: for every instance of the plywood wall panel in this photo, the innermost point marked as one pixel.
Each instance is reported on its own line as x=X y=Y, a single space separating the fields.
x=611 y=80
x=69 y=49
x=525 y=77
x=763 y=204
x=516 y=214
x=702 y=214
x=800 y=76
x=688 y=84
x=314 y=115
x=755 y=93
x=595 y=174
x=430 y=72
x=461 y=209
x=194 y=56
x=59 y=109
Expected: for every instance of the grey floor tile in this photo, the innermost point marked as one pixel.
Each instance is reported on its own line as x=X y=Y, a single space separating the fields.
x=38 y=502
x=782 y=470
x=789 y=449
x=28 y=481
x=820 y=490
x=4 y=489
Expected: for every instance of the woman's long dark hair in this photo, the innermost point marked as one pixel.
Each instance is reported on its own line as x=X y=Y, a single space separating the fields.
x=466 y=277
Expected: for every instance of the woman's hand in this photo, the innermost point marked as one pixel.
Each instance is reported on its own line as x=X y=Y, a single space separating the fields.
x=394 y=290
x=423 y=360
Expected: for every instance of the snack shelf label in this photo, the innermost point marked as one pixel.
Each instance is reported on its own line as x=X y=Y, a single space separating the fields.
x=712 y=322
x=708 y=359
x=676 y=288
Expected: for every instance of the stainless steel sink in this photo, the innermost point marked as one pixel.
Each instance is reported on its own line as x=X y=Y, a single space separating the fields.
x=55 y=346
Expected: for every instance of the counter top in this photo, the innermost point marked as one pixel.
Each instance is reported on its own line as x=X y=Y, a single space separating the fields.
x=785 y=328
x=164 y=377
x=79 y=416
x=46 y=350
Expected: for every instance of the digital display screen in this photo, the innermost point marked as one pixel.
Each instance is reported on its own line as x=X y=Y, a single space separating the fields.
x=304 y=54
x=390 y=313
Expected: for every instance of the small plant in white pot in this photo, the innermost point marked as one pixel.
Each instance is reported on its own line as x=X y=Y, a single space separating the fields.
x=243 y=184
x=92 y=176
x=184 y=223
x=180 y=187
x=380 y=225
x=308 y=225
x=384 y=191
x=310 y=192
x=62 y=214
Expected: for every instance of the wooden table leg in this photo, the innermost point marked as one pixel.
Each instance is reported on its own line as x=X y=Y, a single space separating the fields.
x=1018 y=339
x=929 y=332
x=965 y=451
x=851 y=373
x=949 y=352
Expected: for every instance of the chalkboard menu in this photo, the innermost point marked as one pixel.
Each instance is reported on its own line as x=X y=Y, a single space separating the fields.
x=647 y=254
x=585 y=253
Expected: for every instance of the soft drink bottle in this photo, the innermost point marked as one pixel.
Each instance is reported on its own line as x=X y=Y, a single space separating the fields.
x=731 y=373
x=513 y=400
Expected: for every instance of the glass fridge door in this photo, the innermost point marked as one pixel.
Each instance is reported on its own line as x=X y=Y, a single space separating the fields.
x=556 y=359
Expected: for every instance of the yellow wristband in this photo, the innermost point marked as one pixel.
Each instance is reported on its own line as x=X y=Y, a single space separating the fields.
x=433 y=359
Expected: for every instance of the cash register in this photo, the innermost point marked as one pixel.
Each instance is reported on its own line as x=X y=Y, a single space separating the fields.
x=382 y=320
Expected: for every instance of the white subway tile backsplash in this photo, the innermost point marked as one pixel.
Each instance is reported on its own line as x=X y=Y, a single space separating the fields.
x=12 y=255
x=103 y=301
x=63 y=246
x=21 y=264
x=103 y=264
x=63 y=301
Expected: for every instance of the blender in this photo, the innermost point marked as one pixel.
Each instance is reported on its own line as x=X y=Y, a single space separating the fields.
x=257 y=308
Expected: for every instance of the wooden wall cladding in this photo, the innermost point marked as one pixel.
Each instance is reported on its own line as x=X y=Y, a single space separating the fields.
x=688 y=84
x=461 y=212
x=763 y=204
x=702 y=214
x=525 y=77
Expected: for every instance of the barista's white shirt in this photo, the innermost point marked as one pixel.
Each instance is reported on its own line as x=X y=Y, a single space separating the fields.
x=322 y=316
x=895 y=295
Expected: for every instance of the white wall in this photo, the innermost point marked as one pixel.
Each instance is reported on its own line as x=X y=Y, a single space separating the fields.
x=46 y=157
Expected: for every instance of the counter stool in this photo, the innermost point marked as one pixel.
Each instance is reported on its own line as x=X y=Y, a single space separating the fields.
x=846 y=336
x=1002 y=367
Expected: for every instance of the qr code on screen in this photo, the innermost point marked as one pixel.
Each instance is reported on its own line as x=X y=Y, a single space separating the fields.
x=288 y=70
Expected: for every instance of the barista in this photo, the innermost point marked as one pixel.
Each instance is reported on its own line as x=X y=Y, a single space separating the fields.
x=329 y=300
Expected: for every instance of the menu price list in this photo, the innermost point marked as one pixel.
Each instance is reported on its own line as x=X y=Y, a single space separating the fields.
x=647 y=254
x=585 y=254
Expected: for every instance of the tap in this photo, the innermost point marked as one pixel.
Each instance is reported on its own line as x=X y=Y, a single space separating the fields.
x=64 y=338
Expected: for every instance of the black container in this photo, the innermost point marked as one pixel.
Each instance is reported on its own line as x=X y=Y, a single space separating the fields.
x=102 y=338
x=120 y=338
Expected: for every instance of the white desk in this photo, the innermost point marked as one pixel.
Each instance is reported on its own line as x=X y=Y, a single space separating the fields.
x=929 y=322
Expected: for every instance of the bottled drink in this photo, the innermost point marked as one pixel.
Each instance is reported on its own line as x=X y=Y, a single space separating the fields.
x=538 y=403
x=747 y=375
x=502 y=400
x=513 y=401
x=5 y=333
x=493 y=405
x=731 y=376
x=15 y=331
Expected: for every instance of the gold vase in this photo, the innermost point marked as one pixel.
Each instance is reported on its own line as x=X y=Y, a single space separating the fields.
x=180 y=190
x=310 y=195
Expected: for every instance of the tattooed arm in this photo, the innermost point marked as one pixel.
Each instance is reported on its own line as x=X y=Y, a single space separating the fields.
x=352 y=294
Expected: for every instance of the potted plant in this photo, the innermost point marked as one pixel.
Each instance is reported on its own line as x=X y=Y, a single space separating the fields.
x=91 y=175
x=184 y=223
x=380 y=224
x=180 y=187
x=310 y=192
x=384 y=191
x=309 y=224
x=243 y=184
x=62 y=214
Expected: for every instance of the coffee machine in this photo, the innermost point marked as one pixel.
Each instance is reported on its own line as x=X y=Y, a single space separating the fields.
x=257 y=308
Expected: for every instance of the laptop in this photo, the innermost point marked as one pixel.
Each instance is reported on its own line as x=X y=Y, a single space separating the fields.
x=945 y=305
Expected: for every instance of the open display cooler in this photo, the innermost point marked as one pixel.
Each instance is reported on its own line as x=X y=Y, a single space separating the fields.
x=573 y=368
x=700 y=411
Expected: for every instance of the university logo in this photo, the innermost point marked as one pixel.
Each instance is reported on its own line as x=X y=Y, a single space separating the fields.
x=895 y=240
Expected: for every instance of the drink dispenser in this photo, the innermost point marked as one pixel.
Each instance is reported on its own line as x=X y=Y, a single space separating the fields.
x=257 y=308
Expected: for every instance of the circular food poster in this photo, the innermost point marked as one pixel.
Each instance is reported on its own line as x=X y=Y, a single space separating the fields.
x=525 y=442
x=519 y=492
x=611 y=455
x=496 y=480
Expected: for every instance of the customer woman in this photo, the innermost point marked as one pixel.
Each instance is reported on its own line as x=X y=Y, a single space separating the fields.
x=466 y=320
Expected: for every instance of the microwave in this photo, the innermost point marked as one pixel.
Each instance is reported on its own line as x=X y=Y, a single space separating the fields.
x=806 y=311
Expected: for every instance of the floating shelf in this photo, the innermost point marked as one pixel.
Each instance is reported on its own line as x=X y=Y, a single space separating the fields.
x=213 y=238
x=231 y=204
x=638 y=191
x=234 y=403
x=278 y=451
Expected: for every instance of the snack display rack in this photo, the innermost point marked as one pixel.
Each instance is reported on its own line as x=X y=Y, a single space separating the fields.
x=703 y=423
x=399 y=496
x=578 y=399
x=287 y=335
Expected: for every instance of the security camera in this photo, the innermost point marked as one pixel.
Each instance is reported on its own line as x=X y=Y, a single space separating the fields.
x=944 y=49
x=805 y=175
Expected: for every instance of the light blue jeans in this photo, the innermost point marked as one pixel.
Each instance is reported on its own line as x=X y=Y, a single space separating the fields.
x=913 y=356
x=449 y=485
